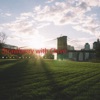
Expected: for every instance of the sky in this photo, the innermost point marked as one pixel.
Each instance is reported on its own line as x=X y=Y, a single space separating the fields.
x=38 y=23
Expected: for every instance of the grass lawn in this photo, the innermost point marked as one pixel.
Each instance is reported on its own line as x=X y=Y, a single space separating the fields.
x=49 y=80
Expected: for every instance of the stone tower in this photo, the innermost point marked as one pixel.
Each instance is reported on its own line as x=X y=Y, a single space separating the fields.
x=62 y=45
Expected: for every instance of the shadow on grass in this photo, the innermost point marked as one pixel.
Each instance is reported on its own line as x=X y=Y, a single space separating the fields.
x=56 y=91
x=3 y=62
x=13 y=71
x=9 y=77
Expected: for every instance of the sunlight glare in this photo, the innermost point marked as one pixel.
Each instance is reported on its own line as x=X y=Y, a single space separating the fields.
x=37 y=42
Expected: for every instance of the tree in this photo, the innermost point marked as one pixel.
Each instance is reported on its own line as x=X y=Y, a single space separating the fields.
x=2 y=41
x=48 y=55
x=3 y=37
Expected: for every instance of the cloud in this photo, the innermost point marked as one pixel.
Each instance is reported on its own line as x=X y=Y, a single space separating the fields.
x=52 y=13
x=92 y=3
x=68 y=12
x=41 y=25
x=24 y=30
x=22 y=25
x=49 y=1
x=89 y=24
x=2 y=14
x=71 y=12
x=60 y=13
x=7 y=14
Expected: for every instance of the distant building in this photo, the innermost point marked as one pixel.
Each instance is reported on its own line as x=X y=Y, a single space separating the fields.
x=70 y=54
x=84 y=54
x=62 y=44
x=9 y=46
x=80 y=56
x=96 y=44
x=87 y=47
x=69 y=47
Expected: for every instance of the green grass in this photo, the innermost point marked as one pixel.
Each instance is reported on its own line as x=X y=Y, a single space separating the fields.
x=49 y=80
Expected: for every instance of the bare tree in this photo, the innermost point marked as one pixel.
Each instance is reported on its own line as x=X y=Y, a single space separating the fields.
x=3 y=37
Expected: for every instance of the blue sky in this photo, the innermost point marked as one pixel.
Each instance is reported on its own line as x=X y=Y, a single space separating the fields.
x=34 y=23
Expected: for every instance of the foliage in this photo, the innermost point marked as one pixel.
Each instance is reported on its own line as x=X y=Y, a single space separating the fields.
x=3 y=37
x=48 y=55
